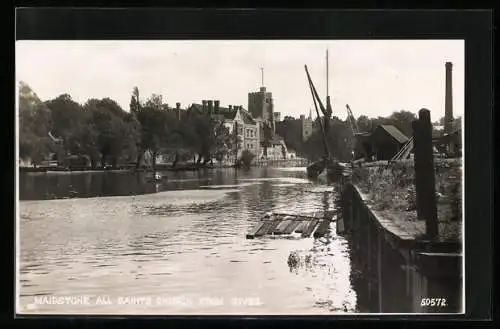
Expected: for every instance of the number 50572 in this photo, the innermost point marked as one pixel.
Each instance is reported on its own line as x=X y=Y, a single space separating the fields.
x=437 y=302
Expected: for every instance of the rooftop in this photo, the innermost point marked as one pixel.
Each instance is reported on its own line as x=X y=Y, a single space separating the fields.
x=227 y=113
x=395 y=133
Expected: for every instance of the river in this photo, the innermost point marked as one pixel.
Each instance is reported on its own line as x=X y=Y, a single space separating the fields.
x=115 y=243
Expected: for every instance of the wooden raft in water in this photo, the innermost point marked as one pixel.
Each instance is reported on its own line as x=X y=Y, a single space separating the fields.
x=287 y=224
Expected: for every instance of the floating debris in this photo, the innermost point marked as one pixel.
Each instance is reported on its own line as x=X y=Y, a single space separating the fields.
x=290 y=225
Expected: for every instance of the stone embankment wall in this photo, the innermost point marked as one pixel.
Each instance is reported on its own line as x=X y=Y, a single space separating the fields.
x=393 y=270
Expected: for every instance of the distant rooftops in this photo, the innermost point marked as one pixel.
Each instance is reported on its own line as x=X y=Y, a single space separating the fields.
x=226 y=113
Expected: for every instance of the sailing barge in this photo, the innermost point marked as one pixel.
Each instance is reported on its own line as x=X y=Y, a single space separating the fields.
x=333 y=168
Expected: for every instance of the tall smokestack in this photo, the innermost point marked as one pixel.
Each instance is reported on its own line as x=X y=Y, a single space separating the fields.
x=448 y=104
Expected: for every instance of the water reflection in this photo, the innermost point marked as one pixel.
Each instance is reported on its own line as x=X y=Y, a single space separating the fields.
x=186 y=240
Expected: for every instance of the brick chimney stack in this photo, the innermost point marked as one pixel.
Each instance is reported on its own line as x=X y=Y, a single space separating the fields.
x=204 y=105
x=210 y=107
x=216 y=106
x=230 y=107
x=448 y=105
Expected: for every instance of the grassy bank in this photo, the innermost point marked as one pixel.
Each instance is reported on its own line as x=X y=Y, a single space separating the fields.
x=391 y=192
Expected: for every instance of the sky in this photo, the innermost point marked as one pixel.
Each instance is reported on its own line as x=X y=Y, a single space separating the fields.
x=375 y=77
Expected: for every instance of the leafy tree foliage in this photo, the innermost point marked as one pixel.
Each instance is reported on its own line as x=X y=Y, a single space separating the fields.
x=135 y=104
x=291 y=131
x=34 y=126
x=111 y=132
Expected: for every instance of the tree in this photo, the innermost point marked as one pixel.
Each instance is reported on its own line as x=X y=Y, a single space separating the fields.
x=189 y=134
x=313 y=146
x=133 y=142
x=154 y=128
x=267 y=133
x=172 y=139
x=155 y=101
x=67 y=121
x=89 y=141
x=222 y=143
x=135 y=104
x=339 y=140
x=41 y=147
x=206 y=130
x=456 y=123
x=364 y=123
x=205 y=136
x=403 y=121
x=111 y=132
x=291 y=131
x=34 y=125
x=246 y=158
x=177 y=145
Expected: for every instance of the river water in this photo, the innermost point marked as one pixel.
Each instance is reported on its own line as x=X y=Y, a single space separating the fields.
x=116 y=243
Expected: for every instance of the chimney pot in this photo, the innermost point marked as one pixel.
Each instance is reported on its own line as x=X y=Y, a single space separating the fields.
x=178 y=105
x=210 y=106
x=230 y=107
x=216 y=106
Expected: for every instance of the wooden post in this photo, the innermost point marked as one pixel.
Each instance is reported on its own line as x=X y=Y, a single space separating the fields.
x=424 y=173
x=379 y=269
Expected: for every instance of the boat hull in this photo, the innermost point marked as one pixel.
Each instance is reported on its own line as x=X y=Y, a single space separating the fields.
x=315 y=169
x=333 y=171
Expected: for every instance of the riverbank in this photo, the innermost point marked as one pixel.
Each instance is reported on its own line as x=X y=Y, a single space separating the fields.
x=159 y=167
x=394 y=262
x=393 y=267
x=168 y=166
x=388 y=188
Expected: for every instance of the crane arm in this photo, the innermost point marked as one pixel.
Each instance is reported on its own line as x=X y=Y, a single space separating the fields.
x=352 y=120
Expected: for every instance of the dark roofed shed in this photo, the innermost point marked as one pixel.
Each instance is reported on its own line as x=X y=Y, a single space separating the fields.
x=386 y=141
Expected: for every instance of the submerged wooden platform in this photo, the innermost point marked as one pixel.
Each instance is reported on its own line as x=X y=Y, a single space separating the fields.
x=287 y=224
